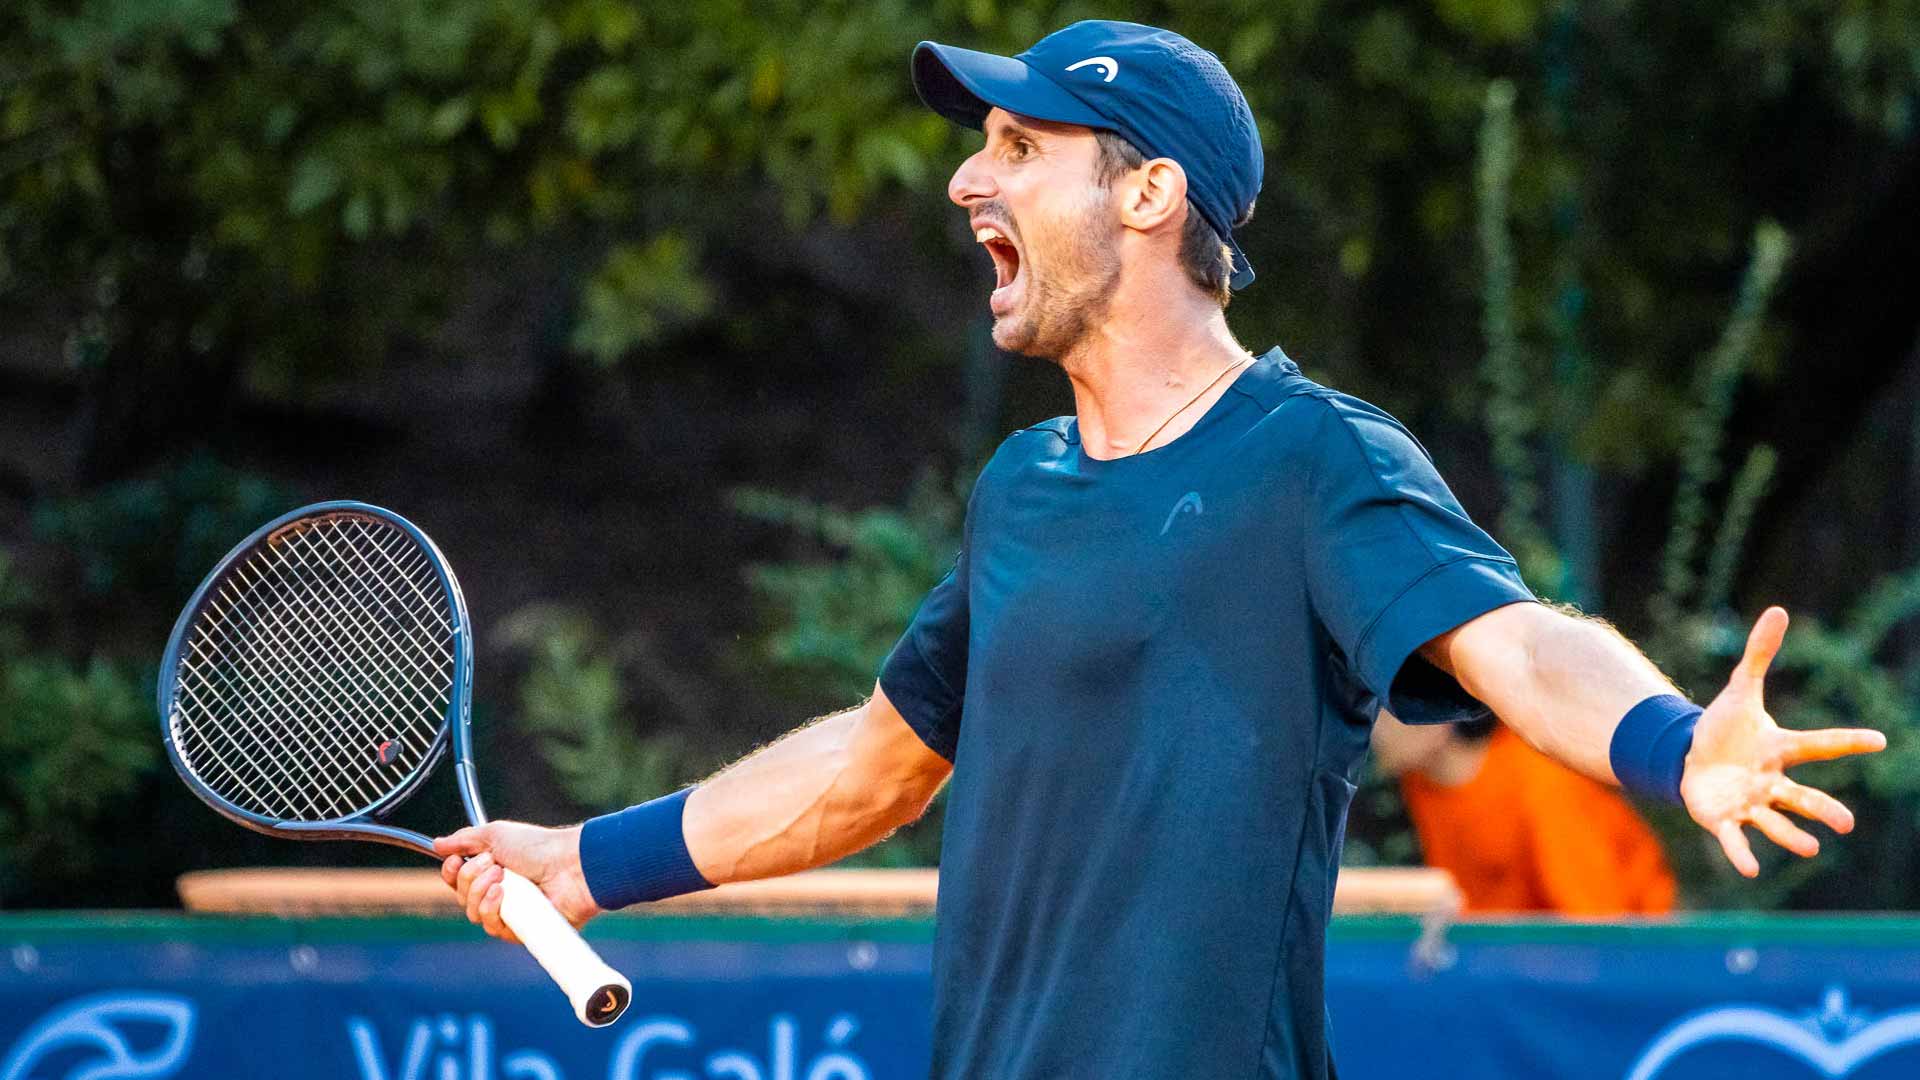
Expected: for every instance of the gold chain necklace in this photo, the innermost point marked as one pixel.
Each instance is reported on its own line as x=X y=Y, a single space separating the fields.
x=1242 y=362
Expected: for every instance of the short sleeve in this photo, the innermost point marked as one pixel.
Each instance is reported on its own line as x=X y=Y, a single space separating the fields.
x=1393 y=562
x=925 y=676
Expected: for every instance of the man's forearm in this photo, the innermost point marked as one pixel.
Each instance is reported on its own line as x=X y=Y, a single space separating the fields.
x=1562 y=681
x=817 y=795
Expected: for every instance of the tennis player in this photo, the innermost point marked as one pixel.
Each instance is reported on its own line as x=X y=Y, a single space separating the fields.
x=1175 y=613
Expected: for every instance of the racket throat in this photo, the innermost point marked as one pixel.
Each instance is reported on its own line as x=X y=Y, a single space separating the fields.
x=469 y=785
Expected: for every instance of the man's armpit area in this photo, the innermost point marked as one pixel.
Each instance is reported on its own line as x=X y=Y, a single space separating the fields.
x=1396 y=661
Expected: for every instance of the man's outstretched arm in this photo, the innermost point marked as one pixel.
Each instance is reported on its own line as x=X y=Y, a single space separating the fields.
x=816 y=795
x=1566 y=684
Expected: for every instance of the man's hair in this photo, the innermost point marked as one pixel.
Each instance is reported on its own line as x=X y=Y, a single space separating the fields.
x=1203 y=254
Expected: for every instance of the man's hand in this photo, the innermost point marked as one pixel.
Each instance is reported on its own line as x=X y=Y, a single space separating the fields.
x=550 y=858
x=1735 y=773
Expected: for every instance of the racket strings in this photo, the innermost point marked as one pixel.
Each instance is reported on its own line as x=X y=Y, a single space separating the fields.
x=317 y=677
x=267 y=738
x=391 y=676
x=336 y=613
x=264 y=751
x=263 y=735
x=272 y=669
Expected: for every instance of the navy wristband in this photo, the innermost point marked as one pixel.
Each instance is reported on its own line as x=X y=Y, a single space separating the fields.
x=1649 y=749
x=639 y=854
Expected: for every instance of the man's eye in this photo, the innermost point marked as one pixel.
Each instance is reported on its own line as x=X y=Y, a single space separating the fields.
x=1020 y=148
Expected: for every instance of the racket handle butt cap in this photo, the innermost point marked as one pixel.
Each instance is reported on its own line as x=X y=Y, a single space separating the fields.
x=598 y=993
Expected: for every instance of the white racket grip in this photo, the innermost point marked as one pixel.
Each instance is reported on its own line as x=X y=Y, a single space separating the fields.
x=598 y=993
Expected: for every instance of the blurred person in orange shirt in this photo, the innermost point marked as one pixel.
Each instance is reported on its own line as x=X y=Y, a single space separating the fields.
x=1519 y=831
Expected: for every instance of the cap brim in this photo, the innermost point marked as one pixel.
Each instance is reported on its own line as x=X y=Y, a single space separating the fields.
x=1242 y=272
x=963 y=86
x=1242 y=269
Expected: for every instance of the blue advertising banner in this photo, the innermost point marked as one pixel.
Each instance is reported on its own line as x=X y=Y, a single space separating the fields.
x=401 y=999
x=1777 y=998
x=116 y=998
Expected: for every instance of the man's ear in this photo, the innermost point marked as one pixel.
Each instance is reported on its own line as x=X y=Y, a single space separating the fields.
x=1155 y=195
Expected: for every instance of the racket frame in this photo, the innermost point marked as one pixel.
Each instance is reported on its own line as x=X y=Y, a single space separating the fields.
x=598 y=993
x=455 y=734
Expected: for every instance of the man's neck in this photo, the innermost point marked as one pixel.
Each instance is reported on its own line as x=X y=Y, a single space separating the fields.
x=1145 y=362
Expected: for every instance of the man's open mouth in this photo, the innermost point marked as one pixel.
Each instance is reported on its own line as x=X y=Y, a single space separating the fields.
x=1006 y=261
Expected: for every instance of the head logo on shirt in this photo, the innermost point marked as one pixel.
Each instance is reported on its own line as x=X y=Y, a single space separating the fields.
x=1190 y=502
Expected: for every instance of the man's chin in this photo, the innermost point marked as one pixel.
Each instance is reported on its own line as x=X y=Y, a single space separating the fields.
x=1017 y=335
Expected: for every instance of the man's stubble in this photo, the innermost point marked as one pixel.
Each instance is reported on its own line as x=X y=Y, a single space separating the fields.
x=1072 y=296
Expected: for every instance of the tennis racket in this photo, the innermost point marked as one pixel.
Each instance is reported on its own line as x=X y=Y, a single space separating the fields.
x=318 y=676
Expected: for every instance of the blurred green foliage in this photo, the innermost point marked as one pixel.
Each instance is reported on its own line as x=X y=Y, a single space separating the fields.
x=76 y=738
x=77 y=726
x=1512 y=418
x=573 y=701
x=272 y=191
x=639 y=289
x=147 y=542
x=832 y=614
x=255 y=157
x=1826 y=675
x=13 y=604
x=839 y=606
x=835 y=610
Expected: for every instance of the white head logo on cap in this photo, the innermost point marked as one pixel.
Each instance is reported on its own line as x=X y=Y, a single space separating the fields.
x=1107 y=66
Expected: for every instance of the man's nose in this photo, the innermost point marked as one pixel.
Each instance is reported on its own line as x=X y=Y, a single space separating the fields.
x=970 y=182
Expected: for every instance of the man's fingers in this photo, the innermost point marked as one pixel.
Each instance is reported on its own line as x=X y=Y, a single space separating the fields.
x=1739 y=852
x=478 y=894
x=471 y=840
x=1785 y=833
x=489 y=908
x=1803 y=746
x=490 y=913
x=476 y=878
x=1763 y=642
x=468 y=873
x=1814 y=804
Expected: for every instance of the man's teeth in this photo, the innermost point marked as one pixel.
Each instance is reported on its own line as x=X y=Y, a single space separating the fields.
x=986 y=233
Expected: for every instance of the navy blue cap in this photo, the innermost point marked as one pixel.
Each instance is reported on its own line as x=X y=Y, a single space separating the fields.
x=1167 y=96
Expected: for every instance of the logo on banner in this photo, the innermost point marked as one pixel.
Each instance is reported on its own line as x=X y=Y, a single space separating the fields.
x=112 y=1036
x=653 y=1048
x=1834 y=1039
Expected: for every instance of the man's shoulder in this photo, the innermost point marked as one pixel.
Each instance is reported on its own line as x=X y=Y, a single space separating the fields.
x=1020 y=449
x=1059 y=427
x=1310 y=416
x=1277 y=383
x=1274 y=381
x=1035 y=442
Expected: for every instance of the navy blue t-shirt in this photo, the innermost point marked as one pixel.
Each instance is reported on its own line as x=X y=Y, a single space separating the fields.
x=1155 y=677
